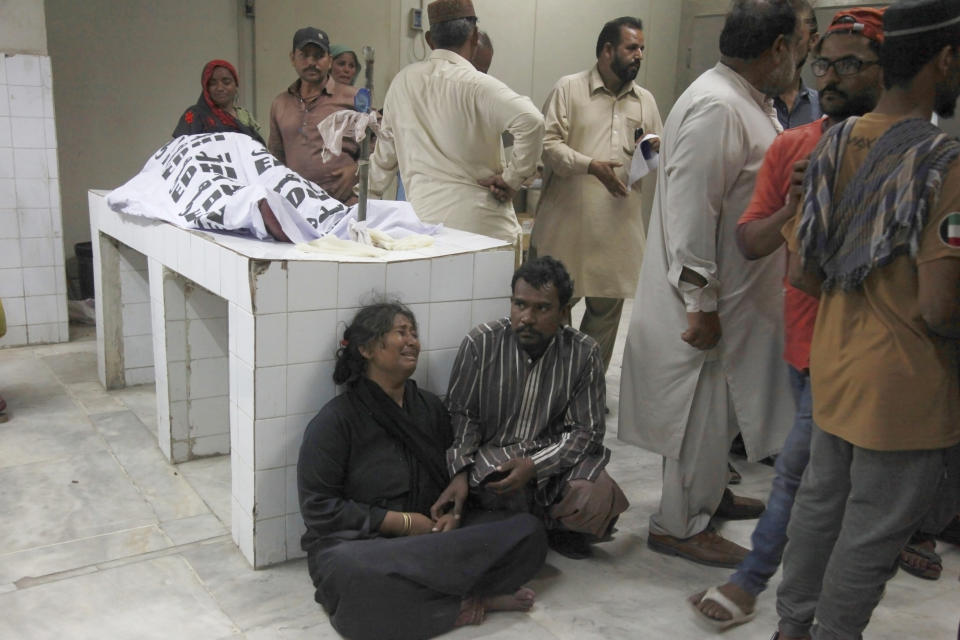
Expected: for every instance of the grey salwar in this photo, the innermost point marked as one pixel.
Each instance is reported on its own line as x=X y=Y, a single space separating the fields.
x=854 y=511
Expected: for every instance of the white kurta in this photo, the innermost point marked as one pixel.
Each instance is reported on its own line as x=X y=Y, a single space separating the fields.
x=442 y=121
x=713 y=145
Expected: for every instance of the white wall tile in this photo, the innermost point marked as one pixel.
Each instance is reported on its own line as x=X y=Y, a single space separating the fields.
x=134 y=287
x=293 y=428
x=200 y=303
x=39 y=281
x=15 y=311
x=53 y=188
x=14 y=337
x=9 y=222
x=28 y=133
x=268 y=443
x=6 y=135
x=10 y=253
x=6 y=164
x=23 y=69
x=295 y=529
x=270 y=486
x=311 y=336
x=25 y=101
x=49 y=133
x=4 y=104
x=131 y=260
x=409 y=281
x=422 y=313
x=241 y=475
x=32 y=193
x=8 y=192
x=214 y=445
x=309 y=387
x=177 y=380
x=11 y=283
x=47 y=97
x=311 y=285
x=493 y=271
x=293 y=493
x=358 y=283
x=489 y=309
x=211 y=266
x=43 y=333
x=245 y=390
x=241 y=528
x=209 y=416
x=140 y=375
x=228 y=276
x=30 y=163
x=53 y=163
x=46 y=72
x=451 y=278
x=35 y=223
x=36 y=252
x=270 y=392
x=270 y=542
x=40 y=309
x=245 y=438
x=449 y=323
x=243 y=330
x=176 y=334
x=174 y=301
x=137 y=351
x=270 y=288
x=207 y=337
x=208 y=377
x=271 y=339
x=441 y=362
x=136 y=319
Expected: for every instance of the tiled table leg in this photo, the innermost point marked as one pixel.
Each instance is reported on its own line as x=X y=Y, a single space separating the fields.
x=106 y=278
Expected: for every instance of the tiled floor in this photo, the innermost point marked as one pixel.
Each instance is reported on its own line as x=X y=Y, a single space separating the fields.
x=101 y=538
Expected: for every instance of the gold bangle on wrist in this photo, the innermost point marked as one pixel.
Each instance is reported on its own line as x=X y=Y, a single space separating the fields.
x=407 y=523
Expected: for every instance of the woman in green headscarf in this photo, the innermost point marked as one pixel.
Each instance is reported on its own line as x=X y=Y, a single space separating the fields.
x=346 y=65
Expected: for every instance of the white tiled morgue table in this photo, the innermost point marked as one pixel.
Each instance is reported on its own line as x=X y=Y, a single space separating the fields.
x=240 y=337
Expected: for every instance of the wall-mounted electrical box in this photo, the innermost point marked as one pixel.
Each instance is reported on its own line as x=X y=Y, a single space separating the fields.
x=416 y=20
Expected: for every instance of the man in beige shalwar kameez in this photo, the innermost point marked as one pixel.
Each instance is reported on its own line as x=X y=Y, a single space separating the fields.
x=587 y=218
x=703 y=356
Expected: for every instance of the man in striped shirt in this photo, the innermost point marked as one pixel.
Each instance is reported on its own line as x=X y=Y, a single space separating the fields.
x=526 y=399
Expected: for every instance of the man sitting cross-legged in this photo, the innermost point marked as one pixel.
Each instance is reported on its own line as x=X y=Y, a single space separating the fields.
x=526 y=399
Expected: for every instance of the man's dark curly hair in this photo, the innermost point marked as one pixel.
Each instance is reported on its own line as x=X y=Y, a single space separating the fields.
x=543 y=271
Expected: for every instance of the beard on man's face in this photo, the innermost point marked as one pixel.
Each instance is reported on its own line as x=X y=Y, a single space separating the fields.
x=626 y=72
x=945 y=101
x=847 y=105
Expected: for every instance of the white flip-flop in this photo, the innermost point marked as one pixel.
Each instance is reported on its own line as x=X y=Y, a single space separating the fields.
x=737 y=614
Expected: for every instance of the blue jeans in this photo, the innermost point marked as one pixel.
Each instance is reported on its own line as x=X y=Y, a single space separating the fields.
x=770 y=535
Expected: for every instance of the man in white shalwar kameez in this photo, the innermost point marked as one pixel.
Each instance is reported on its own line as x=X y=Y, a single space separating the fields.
x=703 y=355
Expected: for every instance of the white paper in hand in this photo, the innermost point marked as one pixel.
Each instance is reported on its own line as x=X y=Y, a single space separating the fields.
x=645 y=159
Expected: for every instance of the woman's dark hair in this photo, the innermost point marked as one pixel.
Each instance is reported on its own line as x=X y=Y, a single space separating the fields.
x=371 y=323
x=613 y=30
x=752 y=26
x=543 y=271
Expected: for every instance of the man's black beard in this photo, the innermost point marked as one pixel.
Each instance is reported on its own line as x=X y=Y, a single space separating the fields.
x=624 y=72
x=945 y=101
x=855 y=105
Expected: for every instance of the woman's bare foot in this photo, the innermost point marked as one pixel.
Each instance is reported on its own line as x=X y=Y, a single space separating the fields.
x=713 y=610
x=521 y=600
